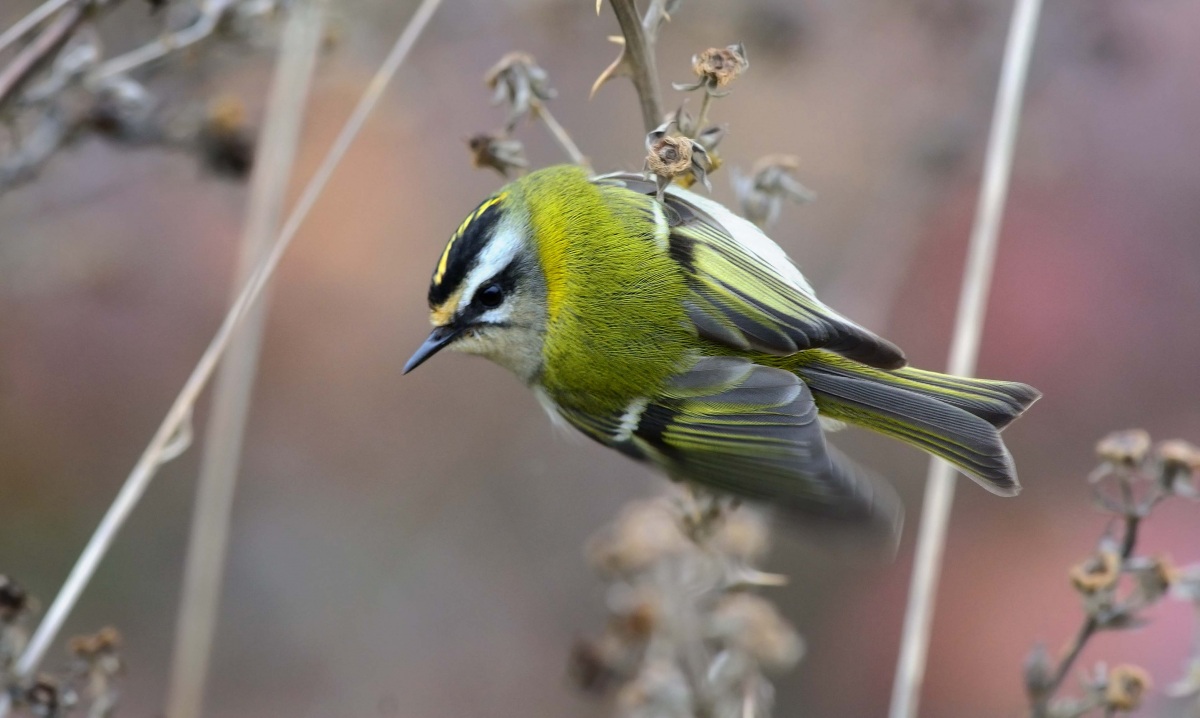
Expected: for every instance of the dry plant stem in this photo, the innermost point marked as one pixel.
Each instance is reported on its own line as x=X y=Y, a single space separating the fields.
x=640 y=55
x=40 y=51
x=1089 y=627
x=135 y=485
x=702 y=118
x=207 y=546
x=560 y=134
x=981 y=255
x=30 y=21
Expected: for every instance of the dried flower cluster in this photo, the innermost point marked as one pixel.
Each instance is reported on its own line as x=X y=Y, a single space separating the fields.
x=686 y=635
x=91 y=674
x=1117 y=586
x=519 y=83
x=58 y=84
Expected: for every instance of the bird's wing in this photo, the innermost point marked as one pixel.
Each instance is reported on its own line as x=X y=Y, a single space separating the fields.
x=745 y=291
x=744 y=429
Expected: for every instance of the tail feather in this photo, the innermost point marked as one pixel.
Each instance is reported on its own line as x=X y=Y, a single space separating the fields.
x=956 y=418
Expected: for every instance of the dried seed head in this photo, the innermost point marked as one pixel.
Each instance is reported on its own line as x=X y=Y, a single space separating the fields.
x=501 y=153
x=720 y=66
x=518 y=81
x=1096 y=573
x=671 y=157
x=1127 y=684
x=716 y=68
x=13 y=599
x=770 y=184
x=751 y=624
x=1125 y=448
x=644 y=533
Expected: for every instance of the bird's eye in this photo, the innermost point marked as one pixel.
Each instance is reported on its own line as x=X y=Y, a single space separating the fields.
x=490 y=295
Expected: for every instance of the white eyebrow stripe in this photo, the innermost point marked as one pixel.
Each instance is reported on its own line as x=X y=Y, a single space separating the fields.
x=498 y=253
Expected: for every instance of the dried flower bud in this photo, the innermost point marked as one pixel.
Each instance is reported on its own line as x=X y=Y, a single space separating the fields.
x=643 y=534
x=13 y=599
x=501 y=153
x=1125 y=448
x=1097 y=573
x=1126 y=686
x=672 y=156
x=519 y=82
x=716 y=68
x=771 y=182
x=1179 y=463
x=1154 y=576
x=751 y=624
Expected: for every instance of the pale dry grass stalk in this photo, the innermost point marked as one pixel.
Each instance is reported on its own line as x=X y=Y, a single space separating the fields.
x=207 y=547
x=156 y=452
x=38 y=15
x=981 y=253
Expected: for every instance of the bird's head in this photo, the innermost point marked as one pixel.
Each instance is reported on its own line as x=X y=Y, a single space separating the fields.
x=487 y=296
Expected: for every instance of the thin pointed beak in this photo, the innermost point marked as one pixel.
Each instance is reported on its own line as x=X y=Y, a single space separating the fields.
x=438 y=339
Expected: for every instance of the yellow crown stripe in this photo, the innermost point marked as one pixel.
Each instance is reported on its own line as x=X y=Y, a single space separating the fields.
x=462 y=228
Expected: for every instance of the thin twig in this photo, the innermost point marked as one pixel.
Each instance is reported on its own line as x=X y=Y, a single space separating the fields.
x=640 y=55
x=211 y=12
x=981 y=255
x=40 y=51
x=560 y=134
x=30 y=21
x=207 y=546
x=138 y=480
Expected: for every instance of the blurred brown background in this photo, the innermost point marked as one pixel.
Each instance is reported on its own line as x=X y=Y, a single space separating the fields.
x=413 y=546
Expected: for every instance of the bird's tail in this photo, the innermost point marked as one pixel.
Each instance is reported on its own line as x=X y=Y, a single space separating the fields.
x=956 y=418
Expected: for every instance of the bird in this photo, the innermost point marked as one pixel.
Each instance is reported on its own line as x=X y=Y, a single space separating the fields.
x=667 y=327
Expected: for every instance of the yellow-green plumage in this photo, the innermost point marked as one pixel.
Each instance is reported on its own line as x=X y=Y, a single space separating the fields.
x=678 y=334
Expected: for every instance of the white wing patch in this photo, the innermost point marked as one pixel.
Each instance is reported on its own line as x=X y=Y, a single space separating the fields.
x=630 y=419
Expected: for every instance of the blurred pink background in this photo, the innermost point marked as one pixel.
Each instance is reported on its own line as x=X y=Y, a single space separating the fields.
x=413 y=546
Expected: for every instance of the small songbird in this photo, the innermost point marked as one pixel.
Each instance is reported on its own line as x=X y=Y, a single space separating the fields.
x=679 y=334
